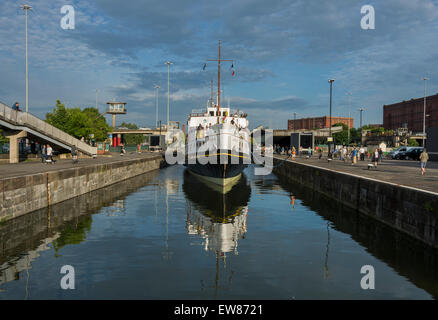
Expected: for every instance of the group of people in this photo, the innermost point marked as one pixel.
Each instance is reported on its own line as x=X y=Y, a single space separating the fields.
x=46 y=153
x=358 y=154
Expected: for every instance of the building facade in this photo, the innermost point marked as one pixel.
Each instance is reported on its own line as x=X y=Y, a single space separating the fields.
x=317 y=123
x=409 y=114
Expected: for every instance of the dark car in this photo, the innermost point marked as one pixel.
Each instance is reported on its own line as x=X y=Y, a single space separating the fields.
x=412 y=154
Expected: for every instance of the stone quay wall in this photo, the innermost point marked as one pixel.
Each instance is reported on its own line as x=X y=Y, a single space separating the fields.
x=24 y=194
x=409 y=210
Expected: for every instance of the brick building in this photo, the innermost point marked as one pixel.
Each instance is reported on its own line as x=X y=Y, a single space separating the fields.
x=409 y=114
x=317 y=123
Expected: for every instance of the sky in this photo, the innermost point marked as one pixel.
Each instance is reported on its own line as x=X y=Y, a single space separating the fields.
x=283 y=53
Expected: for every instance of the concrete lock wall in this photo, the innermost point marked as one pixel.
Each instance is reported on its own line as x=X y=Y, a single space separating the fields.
x=21 y=195
x=408 y=210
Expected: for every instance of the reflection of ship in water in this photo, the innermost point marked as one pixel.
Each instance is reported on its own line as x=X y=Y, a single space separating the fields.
x=220 y=218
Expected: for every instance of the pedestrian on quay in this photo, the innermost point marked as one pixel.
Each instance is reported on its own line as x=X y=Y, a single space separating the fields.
x=43 y=153
x=423 y=160
x=362 y=153
x=375 y=157
x=353 y=156
x=320 y=153
x=122 y=150
x=294 y=153
x=309 y=152
x=380 y=155
x=344 y=153
x=74 y=154
x=50 y=154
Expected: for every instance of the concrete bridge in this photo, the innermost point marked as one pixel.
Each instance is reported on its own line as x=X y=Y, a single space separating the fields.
x=18 y=124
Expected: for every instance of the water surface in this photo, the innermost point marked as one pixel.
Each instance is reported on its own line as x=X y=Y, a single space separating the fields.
x=167 y=235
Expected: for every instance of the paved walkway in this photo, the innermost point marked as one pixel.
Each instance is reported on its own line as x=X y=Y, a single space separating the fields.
x=26 y=168
x=402 y=172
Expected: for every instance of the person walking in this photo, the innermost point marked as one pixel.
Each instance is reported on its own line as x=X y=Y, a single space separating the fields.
x=74 y=154
x=380 y=155
x=50 y=154
x=423 y=160
x=309 y=152
x=362 y=153
x=43 y=153
x=344 y=153
x=375 y=157
x=353 y=156
x=320 y=153
x=294 y=153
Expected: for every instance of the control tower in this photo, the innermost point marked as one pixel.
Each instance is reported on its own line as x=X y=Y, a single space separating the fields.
x=116 y=108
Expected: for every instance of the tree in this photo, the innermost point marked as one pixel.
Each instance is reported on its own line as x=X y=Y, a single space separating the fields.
x=413 y=143
x=79 y=123
x=3 y=139
x=132 y=138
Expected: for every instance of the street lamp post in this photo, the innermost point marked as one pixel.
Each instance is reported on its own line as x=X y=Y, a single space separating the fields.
x=361 y=110
x=168 y=88
x=330 y=122
x=424 y=111
x=156 y=104
x=349 y=116
x=26 y=8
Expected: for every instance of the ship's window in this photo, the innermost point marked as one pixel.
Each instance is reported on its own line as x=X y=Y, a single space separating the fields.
x=211 y=113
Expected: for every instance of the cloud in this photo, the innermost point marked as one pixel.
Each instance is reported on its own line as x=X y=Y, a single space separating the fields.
x=283 y=51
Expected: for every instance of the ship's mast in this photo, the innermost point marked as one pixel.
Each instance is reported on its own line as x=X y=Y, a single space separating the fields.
x=219 y=80
x=211 y=98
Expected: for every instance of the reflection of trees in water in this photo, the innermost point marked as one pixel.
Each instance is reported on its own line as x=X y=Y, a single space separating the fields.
x=62 y=224
x=74 y=232
x=407 y=256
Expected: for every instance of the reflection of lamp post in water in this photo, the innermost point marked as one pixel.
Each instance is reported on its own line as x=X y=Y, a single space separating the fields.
x=330 y=122
x=326 y=252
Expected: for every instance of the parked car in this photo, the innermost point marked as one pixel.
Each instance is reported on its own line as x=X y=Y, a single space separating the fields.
x=397 y=153
x=412 y=154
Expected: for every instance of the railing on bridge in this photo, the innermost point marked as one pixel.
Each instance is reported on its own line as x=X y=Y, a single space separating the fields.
x=28 y=120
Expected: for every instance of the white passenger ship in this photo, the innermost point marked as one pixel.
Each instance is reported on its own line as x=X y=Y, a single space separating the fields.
x=218 y=147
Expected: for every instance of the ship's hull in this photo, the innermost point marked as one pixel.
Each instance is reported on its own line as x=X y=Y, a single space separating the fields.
x=223 y=168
